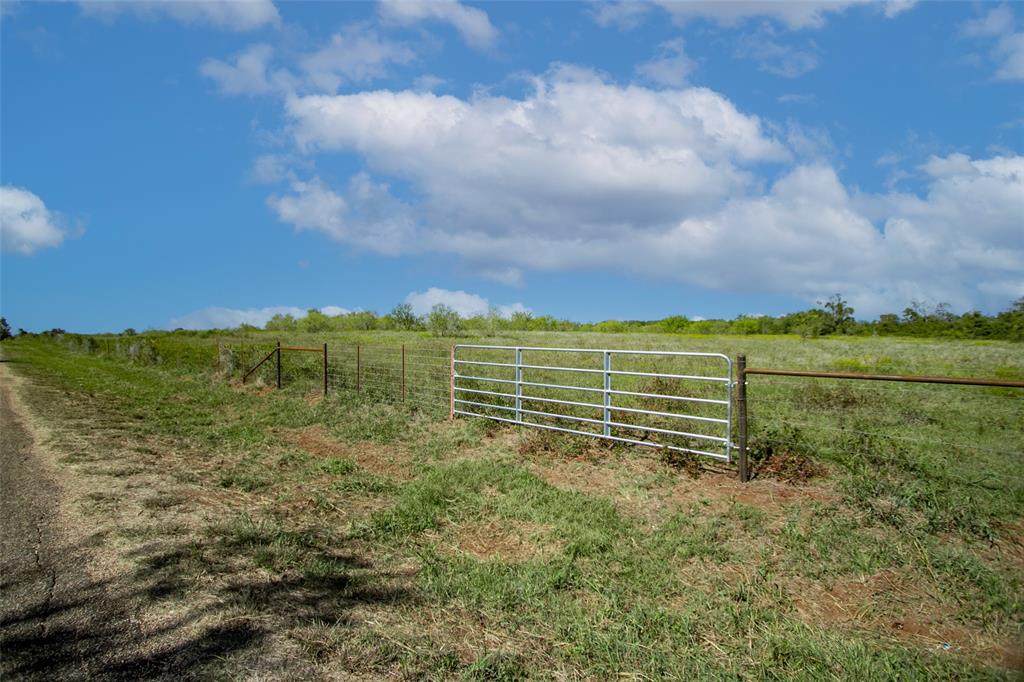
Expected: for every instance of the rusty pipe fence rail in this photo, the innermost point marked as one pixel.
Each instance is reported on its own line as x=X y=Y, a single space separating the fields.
x=742 y=371
x=469 y=389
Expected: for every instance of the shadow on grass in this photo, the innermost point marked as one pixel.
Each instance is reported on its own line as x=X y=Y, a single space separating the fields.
x=90 y=630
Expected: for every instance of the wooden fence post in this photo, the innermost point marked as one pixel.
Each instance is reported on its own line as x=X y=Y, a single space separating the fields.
x=741 y=417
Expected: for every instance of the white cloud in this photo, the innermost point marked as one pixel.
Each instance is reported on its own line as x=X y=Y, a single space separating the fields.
x=773 y=57
x=229 y=15
x=367 y=216
x=995 y=22
x=222 y=318
x=472 y=23
x=671 y=67
x=793 y=98
x=356 y=54
x=26 y=225
x=800 y=14
x=334 y=311
x=248 y=75
x=428 y=82
x=624 y=15
x=1008 y=50
x=268 y=169
x=465 y=304
x=508 y=276
x=584 y=174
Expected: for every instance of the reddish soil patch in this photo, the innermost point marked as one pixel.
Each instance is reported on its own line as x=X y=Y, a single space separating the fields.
x=389 y=461
x=898 y=604
x=791 y=468
x=504 y=539
x=769 y=495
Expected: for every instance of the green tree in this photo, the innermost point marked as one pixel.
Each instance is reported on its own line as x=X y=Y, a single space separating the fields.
x=5 y=329
x=281 y=323
x=403 y=317
x=315 y=321
x=442 y=320
x=840 y=314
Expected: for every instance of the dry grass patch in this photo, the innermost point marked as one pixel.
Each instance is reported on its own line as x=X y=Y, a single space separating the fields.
x=388 y=460
x=899 y=604
x=504 y=539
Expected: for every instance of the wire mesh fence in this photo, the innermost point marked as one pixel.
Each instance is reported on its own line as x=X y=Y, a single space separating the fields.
x=926 y=426
x=934 y=431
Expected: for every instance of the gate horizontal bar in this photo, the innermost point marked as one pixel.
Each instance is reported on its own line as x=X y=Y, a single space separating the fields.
x=670 y=397
x=677 y=415
x=645 y=443
x=302 y=349
x=487 y=405
x=585 y=370
x=603 y=350
x=670 y=432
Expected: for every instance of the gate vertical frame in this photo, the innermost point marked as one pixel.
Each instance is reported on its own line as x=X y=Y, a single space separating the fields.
x=519 y=385
x=607 y=427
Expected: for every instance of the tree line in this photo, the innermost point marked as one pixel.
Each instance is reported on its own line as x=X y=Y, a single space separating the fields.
x=833 y=316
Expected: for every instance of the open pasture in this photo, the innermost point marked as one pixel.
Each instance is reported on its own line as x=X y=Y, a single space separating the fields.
x=880 y=537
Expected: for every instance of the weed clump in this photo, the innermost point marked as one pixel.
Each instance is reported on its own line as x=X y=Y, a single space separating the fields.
x=781 y=451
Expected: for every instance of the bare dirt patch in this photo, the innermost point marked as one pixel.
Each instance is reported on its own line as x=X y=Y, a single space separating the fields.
x=504 y=539
x=389 y=460
x=898 y=604
x=791 y=467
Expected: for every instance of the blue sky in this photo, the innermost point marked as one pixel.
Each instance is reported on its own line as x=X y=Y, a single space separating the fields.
x=208 y=163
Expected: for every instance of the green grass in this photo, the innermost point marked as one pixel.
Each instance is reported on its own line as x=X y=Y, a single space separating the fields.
x=540 y=555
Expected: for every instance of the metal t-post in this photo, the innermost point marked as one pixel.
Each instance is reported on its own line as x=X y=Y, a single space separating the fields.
x=325 y=369
x=279 y=364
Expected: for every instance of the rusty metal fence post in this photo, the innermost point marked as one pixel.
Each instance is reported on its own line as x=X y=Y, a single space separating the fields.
x=741 y=417
x=325 y=370
x=279 y=364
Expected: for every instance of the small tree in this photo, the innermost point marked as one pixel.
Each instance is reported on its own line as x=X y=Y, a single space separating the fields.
x=403 y=317
x=5 y=329
x=443 y=321
x=840 y=313
x=128 y=332
x=315 y=321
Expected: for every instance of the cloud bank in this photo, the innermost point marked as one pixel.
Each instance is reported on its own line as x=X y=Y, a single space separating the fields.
x=26 y=225
x=582 y=173
x=224 y=318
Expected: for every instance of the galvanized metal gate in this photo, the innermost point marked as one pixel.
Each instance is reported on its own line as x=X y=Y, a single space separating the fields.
x=673 y=400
